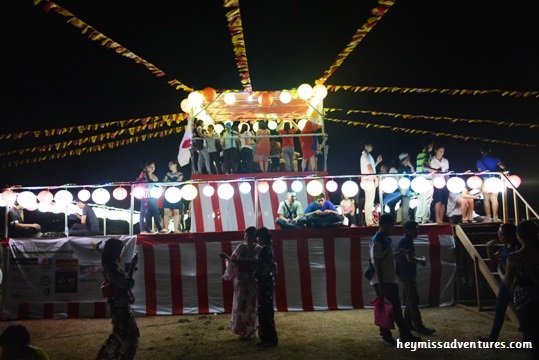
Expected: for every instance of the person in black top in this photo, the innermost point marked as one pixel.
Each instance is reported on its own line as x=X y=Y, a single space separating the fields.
x=17 y=228
x=88 y=225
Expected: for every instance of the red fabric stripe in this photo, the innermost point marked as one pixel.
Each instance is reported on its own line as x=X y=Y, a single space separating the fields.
x=202 y=278
x=218 y=219
x=305 y=273
x=48 y=311
x=274 y=199
x=280 y=280
x=24 y=311
x=435 y=269
x=73 y=311
x=176 y=278
x=238 y=205
x=196 y=212
x=356 y=273
x=331 y=278
x=228 y=286
x=149 y=279
x=100 y=309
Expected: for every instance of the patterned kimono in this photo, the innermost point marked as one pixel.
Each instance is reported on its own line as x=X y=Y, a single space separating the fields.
x=265 y=272
x=240 y=268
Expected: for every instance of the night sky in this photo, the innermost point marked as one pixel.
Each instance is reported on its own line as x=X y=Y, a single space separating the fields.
x=54 y=77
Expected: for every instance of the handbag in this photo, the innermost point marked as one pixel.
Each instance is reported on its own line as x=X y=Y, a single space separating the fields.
x=383 y=312
x=370 y=270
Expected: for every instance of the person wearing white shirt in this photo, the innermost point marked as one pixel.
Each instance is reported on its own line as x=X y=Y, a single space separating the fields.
x=441 y=195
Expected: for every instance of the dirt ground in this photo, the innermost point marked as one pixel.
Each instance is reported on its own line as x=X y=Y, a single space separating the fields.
x=343 y=334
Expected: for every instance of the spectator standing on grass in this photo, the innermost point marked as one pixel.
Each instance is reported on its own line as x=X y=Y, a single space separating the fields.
x=384 y=280
x=407 y=274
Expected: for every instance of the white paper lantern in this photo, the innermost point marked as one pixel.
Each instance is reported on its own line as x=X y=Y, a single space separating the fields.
x=208 y=190
x=195 y=99
x=420 y=184
x=301 y=124
x=438 y=182
x=332 y=186
x=225 y=191
x=230 y=99
x=367 y=184
x=474 y=182
x=320 y=91
x=26 y=199
x=63 y=197
x=185 y=106
x=101 y=196
x=139 y=192
x=245 y=187
x=9 y=197
x=285 y=97
x=45 y=196
x=279 y=186
x=263 y=187
x=456 y=185
x=189 y=192
x=32 y=206
x=219 y=128
x=404 y=183
x=350 y=188
x=44 y=206
x=173 y=194
x=83 y=195
x=389 y=185
x=2 y=202
x=297 y=186
x=514 y=181
x=305 y=91
x=493 y=185
x=314 y=187
x=272 y=125
x=119 y=193
x=156 y=192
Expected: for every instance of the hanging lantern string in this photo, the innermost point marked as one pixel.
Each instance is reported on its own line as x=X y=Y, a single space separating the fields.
x=401 y=90
x=427 y=132
x=107 y=42
x=238 y=41
x=436 y=118
x=377 y=12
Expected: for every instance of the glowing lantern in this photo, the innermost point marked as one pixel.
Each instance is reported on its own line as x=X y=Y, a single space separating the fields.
x=189 y=192
x=119 y=193
x=263 y=187
x=2 y=202
x=139 y=192
x=32 y=206
x=404 y=183
x=389 y=185
x=272 y=125
x=320 y=91
x=474 y=182
x=45 y=196
x=245 y=187
x=26 y=199
x=195 y=99
x=208 y=191
x=367 y=184
x=44 y=206
x=9 y=197
x=219 y=128
x=63 y=197
x=493 y=185
x=301 y=124
x=173 y=194
x=83 y=195
x=156 y=192
x=332 y=186
x=285 y=97
x=230 y=99
x=265 y=99
x=297 y=186
x=350 y=188
x=279 y=186
x=514 y=182
x=456 y=185
x=185 y=106
x=225 y=191
x=305 y=91
x=209 y=94
x=438 y=182
x=314 y=187
x=420 y=184
x=100 y=196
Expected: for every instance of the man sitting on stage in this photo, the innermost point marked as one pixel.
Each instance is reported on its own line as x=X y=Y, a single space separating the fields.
x=17 y=228
x=322 y=213
x=290 y=213
x=88 y=225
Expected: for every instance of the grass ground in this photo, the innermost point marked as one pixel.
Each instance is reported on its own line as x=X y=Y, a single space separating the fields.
x=344 y=334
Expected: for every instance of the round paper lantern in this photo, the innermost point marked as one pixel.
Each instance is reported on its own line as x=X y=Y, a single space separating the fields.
x=245 y=187
x=156 y=192
x=45 y=196
x=119 y=193
x=32 y=206
x=230 y=99
x=367 y=184
x=514 y=182
x=493 y=185
x=279 y=186
x=208 y=191
x=420 y=184
x=83 y=195
x=314 y=187
x=404 y=183
x=26 y=199
x=139 y=192
x=438 y=182
x=332 y=186
x=100 y=196
x=225 y=191
x=44 y=206
x=350 y=188
x=305 y=91
x=189 y=192
x=389 y=185
x=2 y=202
x=297 y=186
x=265 y=99
x=456 y=185
x=474 y=182
x=173 y=194
x=301 y=124
x=255 y=127
x=195 y=99
x=263 y=187
x=209 y=94
x=285 y=97
x=272 y=125
x=185 y=106
x=219 y=128
x=320 y=92
x=63 y=197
